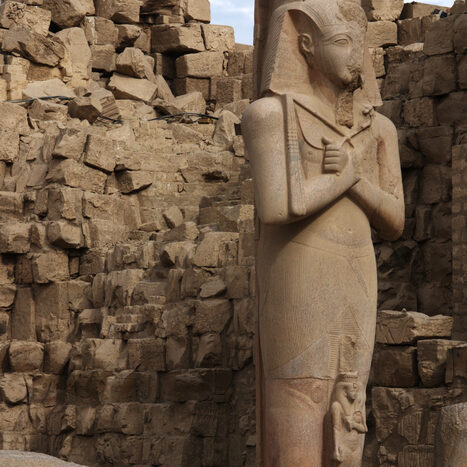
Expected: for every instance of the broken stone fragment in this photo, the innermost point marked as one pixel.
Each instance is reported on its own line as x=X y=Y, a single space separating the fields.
x=7 y=295
x=133 y=62
x=100 y=153
x=432 y=357
x=68 y=13
x=57 y=354
x=64 y=235
x=198 y=10
x=218 y=38
x=77 y=62
x=45 y=50
x=406 y=327
x=71 y=173
x=26 y=356
x=100 y=31
x=200 y=65
x=382 y=10
x=132 y=181
x=51 y=87
x=43 y=110
x=125 y=87
x=173 y=217
x=85 y=108
x=13 y=388
x=177 y=39
x=225 y=132
x=119 y=11
x=103 y=57
x=381 y=33
x=19 y=14
x=51 y=266
x=15 y=237
x=212 y=288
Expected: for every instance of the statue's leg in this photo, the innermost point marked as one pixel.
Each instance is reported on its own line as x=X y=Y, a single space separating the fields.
x=294 y=411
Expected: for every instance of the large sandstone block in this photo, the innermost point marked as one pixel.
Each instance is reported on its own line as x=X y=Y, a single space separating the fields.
x=13 y=388
x=394 y=327
x=78 y=58
x=68 y=13
x=382 y=33
x=44 y=50
x=26 y=356
x=182 y=86
x=100 y=153
x=100 y=31
x=51 y=87
x=218 y=38
x=71 y=173
x=432 y=356
x=216 y=249
x=460 y=33
x=132 y=181
x=50 y=266
x=439 y=75
x=23 y=318
x=383 y=10
x=103 y=57
x=146 y=354
x=200 y=65
x=133 y=62
x=177 y=39
x=15 y=237
x=119 y=11
x=439 y=38
x=419 y=10
x=196 y=385
x=198 y=10
x=125 y=87
x=19 y=14
x=7 y=295
x=395 y=367
x=212 y=315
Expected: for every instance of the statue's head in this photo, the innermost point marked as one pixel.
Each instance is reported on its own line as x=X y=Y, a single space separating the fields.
x=347 y=385
x=331 y=37
x=326 y=36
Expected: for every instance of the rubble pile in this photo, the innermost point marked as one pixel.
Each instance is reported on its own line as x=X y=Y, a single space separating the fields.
x=127 y=234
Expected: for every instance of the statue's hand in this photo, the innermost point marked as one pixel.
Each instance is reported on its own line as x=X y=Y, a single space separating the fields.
x=336 y=158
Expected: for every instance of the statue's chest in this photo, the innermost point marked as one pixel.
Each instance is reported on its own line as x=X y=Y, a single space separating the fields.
x=359 y=142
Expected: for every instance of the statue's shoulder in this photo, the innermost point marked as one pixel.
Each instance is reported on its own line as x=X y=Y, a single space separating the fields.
x=383 y=126
x=265 y=110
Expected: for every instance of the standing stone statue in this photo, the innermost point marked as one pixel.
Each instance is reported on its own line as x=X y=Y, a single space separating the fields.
x=326 y=169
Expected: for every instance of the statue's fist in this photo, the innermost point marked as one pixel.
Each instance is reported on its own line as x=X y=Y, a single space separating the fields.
x=336 y=157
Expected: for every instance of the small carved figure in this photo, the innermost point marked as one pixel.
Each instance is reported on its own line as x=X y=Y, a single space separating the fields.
x=326 y=170
x=347 y=415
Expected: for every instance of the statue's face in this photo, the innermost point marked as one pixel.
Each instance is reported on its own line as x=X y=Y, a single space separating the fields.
x=337 y=53
x=351 y=391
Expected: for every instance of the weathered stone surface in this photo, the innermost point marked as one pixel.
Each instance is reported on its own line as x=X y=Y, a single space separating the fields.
x=218 y=38
x=200 y=65
x=125 y=87
x=382 y=33
x=198 y=10
x=44 y=50
x=395 y=367
x=381 y=10
x=119 y=11
x=404 y=327
x=13 y=388
x=85 y=108
x=15 y=238
x=25 y=356
x=100 y=153
x=50 y=267
x=78 y=57
x=51 y=87
x=130 y=182
x=68 y=13
x=451 y=436
x=19 y=14
x=103 y=57
x=181 y=39
x=439 y=37
x=133 y=62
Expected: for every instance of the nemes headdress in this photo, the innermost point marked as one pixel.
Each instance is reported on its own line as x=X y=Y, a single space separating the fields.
x=283 y=67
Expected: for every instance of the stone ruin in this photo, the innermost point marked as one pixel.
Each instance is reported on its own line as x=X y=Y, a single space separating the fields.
x=127 y=235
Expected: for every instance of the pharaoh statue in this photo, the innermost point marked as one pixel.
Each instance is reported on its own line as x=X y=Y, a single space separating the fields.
x=326 y=171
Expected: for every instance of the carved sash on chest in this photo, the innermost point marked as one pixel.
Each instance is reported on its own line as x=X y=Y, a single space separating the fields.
x=358 y=140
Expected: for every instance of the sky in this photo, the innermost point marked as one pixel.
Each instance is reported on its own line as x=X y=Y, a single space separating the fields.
x=240 y=15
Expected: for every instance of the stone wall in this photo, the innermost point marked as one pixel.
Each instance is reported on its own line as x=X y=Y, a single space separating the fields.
x=127 y=243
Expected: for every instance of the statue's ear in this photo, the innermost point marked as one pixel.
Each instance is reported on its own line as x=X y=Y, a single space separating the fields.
x=306 y=45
